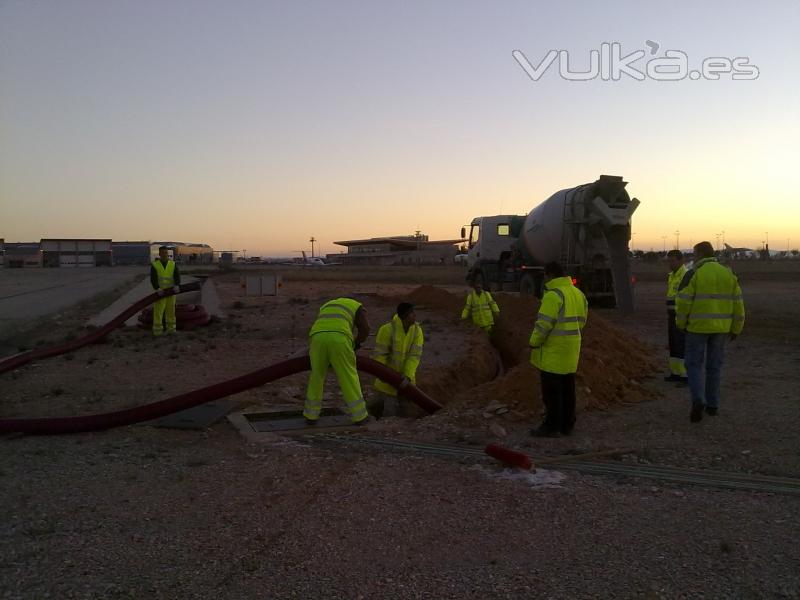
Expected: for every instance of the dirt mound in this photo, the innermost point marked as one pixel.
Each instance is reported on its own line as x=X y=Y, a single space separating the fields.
x=433 y=297
x=473 y=368
x=611 y=368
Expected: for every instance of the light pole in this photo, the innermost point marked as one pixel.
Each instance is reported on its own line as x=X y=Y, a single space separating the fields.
x=312 y=240
x=766 y=243
x=677 y=240
x=718 y=234
x=664 y=243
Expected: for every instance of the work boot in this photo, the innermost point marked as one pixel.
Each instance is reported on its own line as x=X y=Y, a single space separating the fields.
x=672 y=377
x=711 y=411
x=682 y=382
x=365 y=421
x=697 y=413
x=311 y=422
x=543 y=431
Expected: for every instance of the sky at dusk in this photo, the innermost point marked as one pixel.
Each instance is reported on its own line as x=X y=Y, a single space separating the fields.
x=256 y=125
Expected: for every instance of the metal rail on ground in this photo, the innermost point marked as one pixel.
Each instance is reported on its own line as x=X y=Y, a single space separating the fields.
x=719 y=479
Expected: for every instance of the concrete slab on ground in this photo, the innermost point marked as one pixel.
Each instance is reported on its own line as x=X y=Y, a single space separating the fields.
x=263 y=426
x=197 y=417
x=209 y=298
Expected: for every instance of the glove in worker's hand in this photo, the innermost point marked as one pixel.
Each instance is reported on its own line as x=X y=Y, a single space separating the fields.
x=404 y=383
x=176 y=289
x=160 y=292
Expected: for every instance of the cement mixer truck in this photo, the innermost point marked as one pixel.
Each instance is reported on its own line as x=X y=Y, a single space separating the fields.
x=585 y=228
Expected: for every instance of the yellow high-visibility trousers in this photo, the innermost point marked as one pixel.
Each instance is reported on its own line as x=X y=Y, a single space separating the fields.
x=677 y=366
x=164 y=307
x=331 y=349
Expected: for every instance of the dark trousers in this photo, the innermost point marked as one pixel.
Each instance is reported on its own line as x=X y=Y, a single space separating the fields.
x=677 y=338
x=704 y=379
x=558 y=392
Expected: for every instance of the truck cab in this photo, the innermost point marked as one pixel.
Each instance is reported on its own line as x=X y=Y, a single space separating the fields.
x=495 y=256
x=490 y=237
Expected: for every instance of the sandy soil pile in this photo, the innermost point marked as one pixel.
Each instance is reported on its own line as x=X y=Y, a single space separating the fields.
x=612 y=362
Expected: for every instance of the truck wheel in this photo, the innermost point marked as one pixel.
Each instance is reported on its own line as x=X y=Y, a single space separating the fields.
x=527 y=285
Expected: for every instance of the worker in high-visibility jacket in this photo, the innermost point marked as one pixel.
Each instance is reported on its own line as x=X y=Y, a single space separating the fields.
x=709 y=307
x=398 y=345
x=556 y=347
x=164 y=276
x=332 y=344
x=481 y=307
x=676 y=337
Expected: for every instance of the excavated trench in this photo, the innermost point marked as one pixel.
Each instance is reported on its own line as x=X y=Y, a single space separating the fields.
x=611 y=370
x=493 y=370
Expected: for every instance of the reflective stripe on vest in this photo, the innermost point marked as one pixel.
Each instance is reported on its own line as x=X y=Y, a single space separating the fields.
x=710 y=300
x=401 y=354
x=336 y=316
x=398 y=353
x=166 y=274
x=480 y=308
x=674 y=279
x=557 y=337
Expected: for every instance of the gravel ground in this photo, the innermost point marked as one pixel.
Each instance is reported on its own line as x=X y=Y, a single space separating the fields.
x=138 y=512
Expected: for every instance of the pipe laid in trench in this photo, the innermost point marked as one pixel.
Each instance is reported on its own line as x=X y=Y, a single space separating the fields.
x=146 y=412
x=19 y=360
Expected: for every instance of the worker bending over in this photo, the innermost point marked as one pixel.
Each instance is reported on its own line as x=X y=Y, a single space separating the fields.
x=710 y=308
x=676 y=337
x=331 y=343
x=556 y=347
x=481 y=306
x=164 y=275
x=398 y=345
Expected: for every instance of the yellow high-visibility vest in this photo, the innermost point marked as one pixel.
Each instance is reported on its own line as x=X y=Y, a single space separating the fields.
x=399 y=349
x=166 y=274
x=481 y=307
x=711 y=301
x=338 y=315
x=674 y=279
x=556 y=338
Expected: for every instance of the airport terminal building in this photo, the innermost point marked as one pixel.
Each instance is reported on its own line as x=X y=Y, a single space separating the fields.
x=90 y=252
x=397 y=250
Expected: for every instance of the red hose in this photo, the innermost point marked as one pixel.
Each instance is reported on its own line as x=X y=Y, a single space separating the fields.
x=18 y=360
x=393 y=378
x=50 y=425
x=512 y=458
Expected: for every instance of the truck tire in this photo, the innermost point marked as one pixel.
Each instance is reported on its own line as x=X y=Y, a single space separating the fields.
x=528 y=285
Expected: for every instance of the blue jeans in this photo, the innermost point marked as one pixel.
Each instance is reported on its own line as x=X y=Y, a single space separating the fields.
x=707 y=348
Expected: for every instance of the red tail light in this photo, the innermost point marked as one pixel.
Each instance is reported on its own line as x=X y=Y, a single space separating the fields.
x=633 y=278
x=574 y=281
